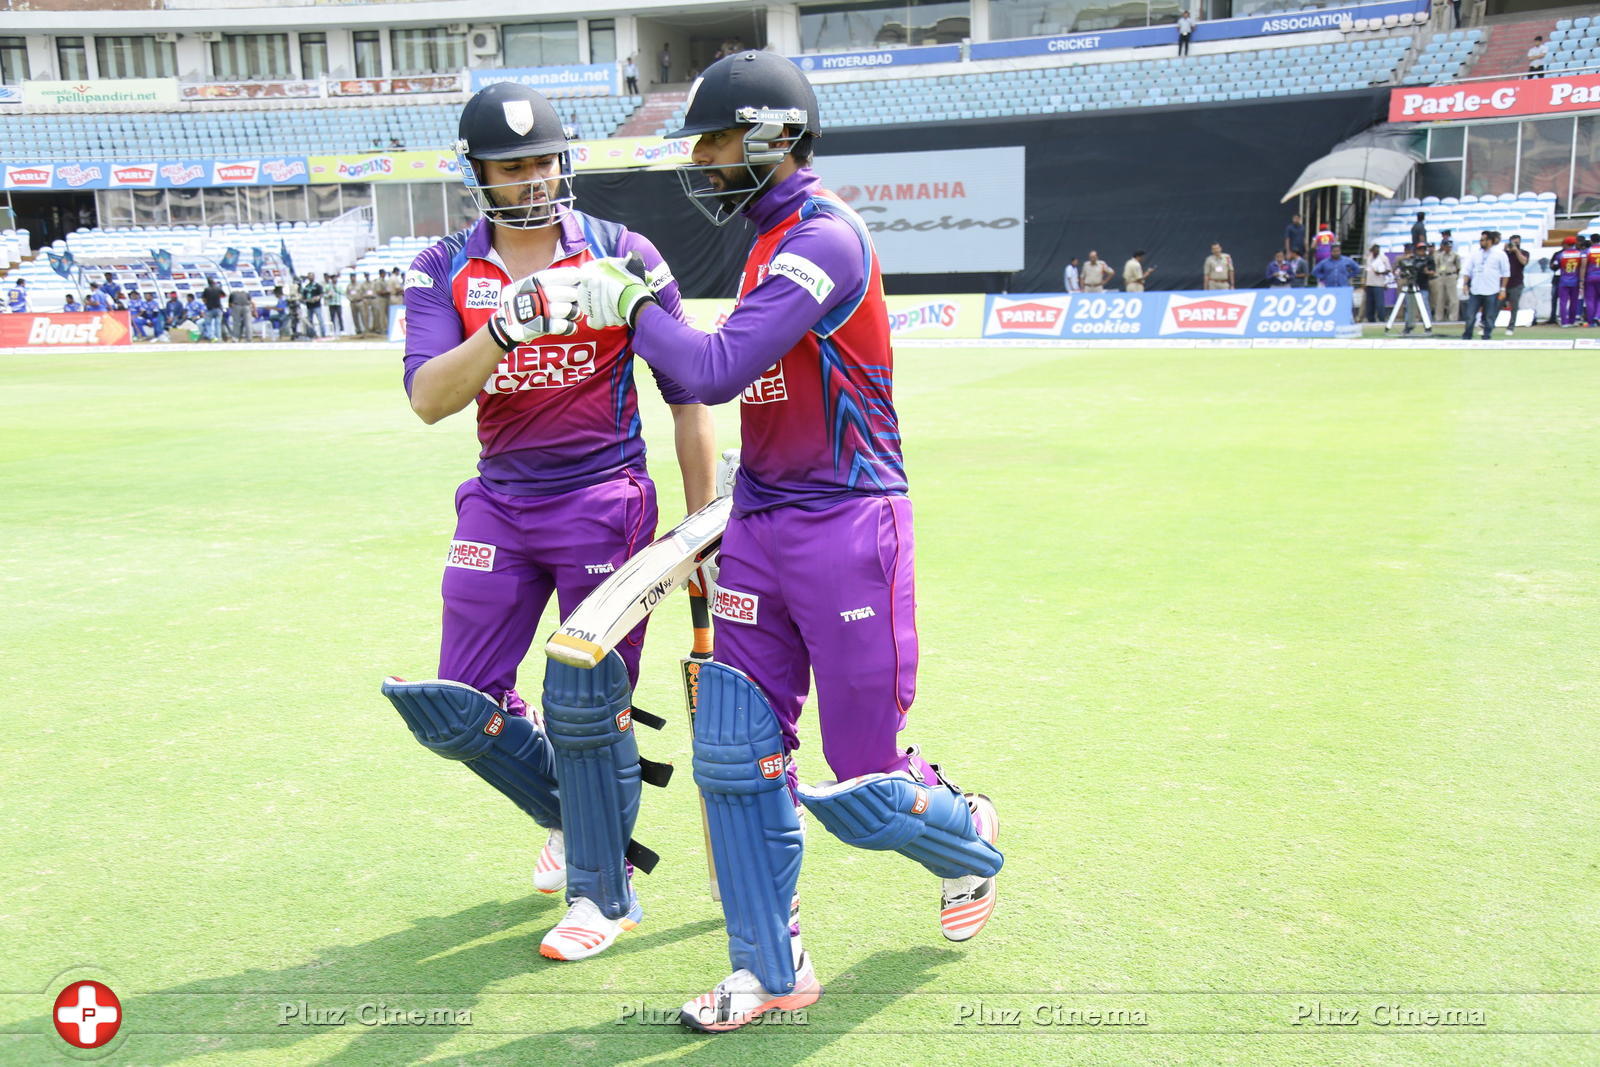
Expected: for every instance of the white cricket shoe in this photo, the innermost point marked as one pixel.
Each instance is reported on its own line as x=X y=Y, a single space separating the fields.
x=965 y=904
x=585 y=932
x=550 y=873
x=740 y=999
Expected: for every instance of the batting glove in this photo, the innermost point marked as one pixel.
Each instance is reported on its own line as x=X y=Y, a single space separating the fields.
x=727 y=471
x=539 y=305
x=611 y=291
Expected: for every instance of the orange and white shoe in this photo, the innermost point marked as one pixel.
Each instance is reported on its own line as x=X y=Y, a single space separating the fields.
x=740 y=1000
x=585 y=932
x=550 y=873
x=965 y=904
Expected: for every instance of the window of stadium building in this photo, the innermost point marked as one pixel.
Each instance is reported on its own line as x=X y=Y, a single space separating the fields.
x=1033 y=18
x=313 y=55
x=369 y=53
x=433 y=50
x=251 y=56
x=881 y=24
x=13 y=60
x=540 y=44
x=135 y=57
x=602 y=41
x=72 y=59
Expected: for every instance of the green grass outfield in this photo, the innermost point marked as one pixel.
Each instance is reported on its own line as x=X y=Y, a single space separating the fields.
x=1281 y=666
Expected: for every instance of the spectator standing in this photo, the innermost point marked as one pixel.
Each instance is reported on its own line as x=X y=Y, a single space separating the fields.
x=1294 y=237
x=212 y=296
x=1279 y=274
x=1134 y=274
x=336 y=296
x=241 y=314
x=1323 y=244
x=630 y=77
x=1185 y=30
x=1446 y=286
x=96 y=300
x=1378 y=275
x=1517 y=261
x=111 y=290
x=1297 y=267
x=1071 y=279
x=360 y=291
x=396 y=294
x=1338 y=271
x=1217 y=272
x=17 y=297
x=1488 y=272
x=312 y=292
x=1095 y=274
x=292 y=304
x=1536 y=58
x=664 y=61
x=1419 y=230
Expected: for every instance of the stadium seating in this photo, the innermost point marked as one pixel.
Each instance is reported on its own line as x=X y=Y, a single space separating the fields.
x=1270 y=73
x=396 y=255
x=13 y=246
x=1530 y=214
x=280 y=130
x=1444 y=57
x=1574 y=45
x=318 y=248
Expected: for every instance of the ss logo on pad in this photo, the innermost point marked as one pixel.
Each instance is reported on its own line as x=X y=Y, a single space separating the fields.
x=772 y=766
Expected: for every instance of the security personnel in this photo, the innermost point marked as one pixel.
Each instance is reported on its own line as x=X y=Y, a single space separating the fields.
x=1445 y=288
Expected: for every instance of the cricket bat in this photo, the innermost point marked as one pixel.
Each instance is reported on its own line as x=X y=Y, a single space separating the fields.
x=700 y=616
x=653 y=574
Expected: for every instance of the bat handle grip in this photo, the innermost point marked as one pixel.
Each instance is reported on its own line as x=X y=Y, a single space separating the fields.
x=700 y=616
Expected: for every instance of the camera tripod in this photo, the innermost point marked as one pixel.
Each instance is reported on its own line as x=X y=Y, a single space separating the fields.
x=1410 y=292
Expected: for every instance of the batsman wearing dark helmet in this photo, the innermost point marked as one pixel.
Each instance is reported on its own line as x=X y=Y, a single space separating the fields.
x=560 y=500
x=806 y=351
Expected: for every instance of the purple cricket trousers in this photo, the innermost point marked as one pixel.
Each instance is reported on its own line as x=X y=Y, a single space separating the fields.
x=1567 y=303
x=511 y=552
x=831 y=593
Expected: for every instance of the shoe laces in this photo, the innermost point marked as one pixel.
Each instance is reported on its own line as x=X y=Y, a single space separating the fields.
x=584 y=912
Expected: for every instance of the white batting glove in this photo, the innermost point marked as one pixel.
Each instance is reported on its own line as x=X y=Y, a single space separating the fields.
x=541 y=305
x=704 y=577
x=727 y=471
x=611 y=291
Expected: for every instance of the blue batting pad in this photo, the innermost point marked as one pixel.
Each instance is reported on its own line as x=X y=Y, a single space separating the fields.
x=755 y=829
x=588 y=713
x=931 y=824
x=507 y=751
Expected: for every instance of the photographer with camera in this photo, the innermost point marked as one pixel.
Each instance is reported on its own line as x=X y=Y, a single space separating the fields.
x=1413 y=273
x=1487 y=271
x=1517 y=258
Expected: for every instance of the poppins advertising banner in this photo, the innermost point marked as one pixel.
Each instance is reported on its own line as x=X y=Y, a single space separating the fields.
x=594 y=79
x=823 y=62
x=1492 y=99
x=936 y=212
x=99 y=93
x=396 y=166
x=65 y=328
x=622 y=153
x=1212 y=313
x=955 y=316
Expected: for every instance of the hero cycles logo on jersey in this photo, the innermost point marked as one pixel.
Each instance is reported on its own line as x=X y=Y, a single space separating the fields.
x=25 y=177
x=770 y=388
x=735 y=606
x=470 y=556
x=535 y=366
x=1225 y=315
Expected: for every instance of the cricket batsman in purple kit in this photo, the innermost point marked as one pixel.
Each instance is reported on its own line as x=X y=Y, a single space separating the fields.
x=816 y=564
x=560 y=500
